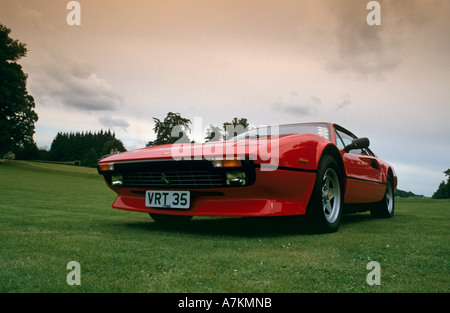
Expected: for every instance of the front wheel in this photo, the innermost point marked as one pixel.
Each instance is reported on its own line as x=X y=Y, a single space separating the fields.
x=326 y=203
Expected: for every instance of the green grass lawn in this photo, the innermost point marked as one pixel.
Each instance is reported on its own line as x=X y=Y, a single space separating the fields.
x=53 y=214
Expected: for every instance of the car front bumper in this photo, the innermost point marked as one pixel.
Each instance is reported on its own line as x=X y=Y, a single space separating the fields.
x=274 y=193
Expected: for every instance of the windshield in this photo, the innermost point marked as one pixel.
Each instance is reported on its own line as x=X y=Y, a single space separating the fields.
x=320 y=129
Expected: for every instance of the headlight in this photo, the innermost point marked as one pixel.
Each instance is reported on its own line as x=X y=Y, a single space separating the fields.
x=236 y=178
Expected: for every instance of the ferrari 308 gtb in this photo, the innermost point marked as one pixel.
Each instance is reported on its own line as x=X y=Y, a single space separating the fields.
x=315 y=169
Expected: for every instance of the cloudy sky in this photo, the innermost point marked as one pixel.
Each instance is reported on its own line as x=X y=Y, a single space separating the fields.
x=271 y=61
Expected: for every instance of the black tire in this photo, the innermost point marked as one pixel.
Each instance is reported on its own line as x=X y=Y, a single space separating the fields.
x=385 y=208
x=165 y=219
x=326 y=204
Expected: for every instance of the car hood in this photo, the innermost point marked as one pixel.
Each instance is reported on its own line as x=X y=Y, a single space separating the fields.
x=209 y=150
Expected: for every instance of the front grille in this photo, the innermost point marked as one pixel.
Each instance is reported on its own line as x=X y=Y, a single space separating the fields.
x=194 y=174
x=173 y=179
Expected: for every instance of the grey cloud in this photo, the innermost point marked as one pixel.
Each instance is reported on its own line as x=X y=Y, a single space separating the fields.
x=373 y=51
x=76 y=86
x=361 y=49
x=345 y=102
x=300 y=108
x=110 y=122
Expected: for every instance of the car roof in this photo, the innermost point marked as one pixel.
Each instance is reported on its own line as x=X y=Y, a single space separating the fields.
x=339 y=127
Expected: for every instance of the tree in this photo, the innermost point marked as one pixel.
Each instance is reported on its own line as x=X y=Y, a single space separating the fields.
x=17 y=115
x=443 y=191
x=173 y=129
x=214 y=133
x=236 y=127
x=111 y=146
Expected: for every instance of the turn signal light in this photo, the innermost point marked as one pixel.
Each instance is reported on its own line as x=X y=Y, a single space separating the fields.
x=231 y=163
x=227 y=163
x=303 y=160
x=103 y=167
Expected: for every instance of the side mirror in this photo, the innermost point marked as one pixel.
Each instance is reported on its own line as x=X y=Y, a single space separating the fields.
x=358 y=143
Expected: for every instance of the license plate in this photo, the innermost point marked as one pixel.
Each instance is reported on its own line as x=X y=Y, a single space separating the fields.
x=168 y=199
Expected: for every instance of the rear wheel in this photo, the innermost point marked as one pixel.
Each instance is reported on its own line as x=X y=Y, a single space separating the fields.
x=165 y=219
x=326 y=203
x=385 y=208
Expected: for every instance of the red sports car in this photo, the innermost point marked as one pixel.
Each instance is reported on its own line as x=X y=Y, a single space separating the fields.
x=313 y=169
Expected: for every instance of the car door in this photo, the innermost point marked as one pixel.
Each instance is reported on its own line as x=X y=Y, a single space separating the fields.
x=364 y=174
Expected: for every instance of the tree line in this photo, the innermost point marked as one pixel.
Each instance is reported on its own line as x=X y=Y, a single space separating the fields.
x=407 y=194
x=85 y=147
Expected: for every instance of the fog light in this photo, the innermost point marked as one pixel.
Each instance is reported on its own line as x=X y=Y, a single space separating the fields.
x=116 y=180
x=236 y=178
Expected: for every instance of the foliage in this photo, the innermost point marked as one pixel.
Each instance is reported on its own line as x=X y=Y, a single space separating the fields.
x=86 y=147
x=174 y=129
x=165 y=130
x=229 y=130
x=443 y=191
x=17 y=115
x=236 y=127
x=214 y=133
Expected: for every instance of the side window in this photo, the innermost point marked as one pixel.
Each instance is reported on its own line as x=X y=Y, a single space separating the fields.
x=339 y=142
x=344 y=139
